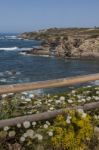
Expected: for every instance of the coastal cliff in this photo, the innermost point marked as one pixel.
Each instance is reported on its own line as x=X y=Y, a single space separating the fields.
x=66 y=42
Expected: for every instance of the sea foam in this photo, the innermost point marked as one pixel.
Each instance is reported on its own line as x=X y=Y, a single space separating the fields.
x=9 y=48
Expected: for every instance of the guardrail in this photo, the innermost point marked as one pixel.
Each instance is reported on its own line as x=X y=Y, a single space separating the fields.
x=48 y=84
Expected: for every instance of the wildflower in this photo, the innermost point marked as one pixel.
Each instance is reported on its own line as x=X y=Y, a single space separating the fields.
x=96 y=98
x=97 y=92
x=45 y=126
x=26 y=124
x=96 y=117
x=31 y=95
x=22 y=139
x=88 y=86
x=11 y=133
x=27 y=99
x=30 y=133
x=73 y=91
x=47 y=122
x=49 y=104
x=22 y=97
x=68 y=120
x=88 y=98
x=51 y=108
x=57 y=101
x=4 y=95
x=34 y=123
x=50 y=100
x=24 y=93
x=70 y=101
x=50 y=133
x=62 y=98
x=19 y=125
x=83 y=100
x=84 y=115
x=6 y=128
x=81 y=111
x=25 y=135
x=79 y=101
x=39 y=136
x=48 y=95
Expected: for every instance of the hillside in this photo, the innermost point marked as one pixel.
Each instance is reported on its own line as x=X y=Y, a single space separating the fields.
x=67 y=42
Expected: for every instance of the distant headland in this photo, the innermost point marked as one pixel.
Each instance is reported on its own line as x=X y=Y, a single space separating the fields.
x=66 y=42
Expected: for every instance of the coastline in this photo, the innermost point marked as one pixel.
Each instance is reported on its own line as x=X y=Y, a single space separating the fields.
x=66 y=43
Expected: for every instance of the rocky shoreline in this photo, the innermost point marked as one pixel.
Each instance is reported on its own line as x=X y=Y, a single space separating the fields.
x=70 y=43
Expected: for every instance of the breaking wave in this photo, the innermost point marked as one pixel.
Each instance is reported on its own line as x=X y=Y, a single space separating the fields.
x=9 y=48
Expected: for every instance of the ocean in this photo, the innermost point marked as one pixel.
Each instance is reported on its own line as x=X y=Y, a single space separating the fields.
x=18 y=68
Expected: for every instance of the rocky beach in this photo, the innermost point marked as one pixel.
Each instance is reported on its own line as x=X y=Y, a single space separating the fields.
x=66 y=42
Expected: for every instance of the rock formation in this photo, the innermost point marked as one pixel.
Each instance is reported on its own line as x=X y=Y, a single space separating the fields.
x=71 y=42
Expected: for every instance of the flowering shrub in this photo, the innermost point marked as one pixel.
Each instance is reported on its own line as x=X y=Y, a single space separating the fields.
x=72 y=132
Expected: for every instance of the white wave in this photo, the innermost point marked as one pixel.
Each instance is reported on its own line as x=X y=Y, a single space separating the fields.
x=11 y=37
x=3 y=80
x=9 y=48
x=26 y=49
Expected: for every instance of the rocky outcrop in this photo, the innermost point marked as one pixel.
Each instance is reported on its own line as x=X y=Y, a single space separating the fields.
x=67 y=42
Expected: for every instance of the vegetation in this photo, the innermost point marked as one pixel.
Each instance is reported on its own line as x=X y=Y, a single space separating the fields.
x=75 y=130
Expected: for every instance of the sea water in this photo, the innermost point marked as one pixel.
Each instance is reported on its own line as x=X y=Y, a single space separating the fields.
x=18 y=68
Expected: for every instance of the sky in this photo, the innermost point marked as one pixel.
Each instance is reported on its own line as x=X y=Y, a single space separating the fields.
x=29 y=15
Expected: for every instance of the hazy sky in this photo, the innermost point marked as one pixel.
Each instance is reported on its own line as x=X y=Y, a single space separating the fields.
x=28 y=15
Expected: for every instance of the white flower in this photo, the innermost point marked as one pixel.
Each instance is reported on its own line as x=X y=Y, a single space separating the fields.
x=50 y=133
x=83 y=100
x=89 y=86
x=22 y=139
x=19 y=125
x=34 y=123
x=96 y=98
x=70 y=101
x=73 y=91
x=96 y=117
x=6 y=128
x=11 y=133
x=48 y=95
x=39 y=136
x=49 y=104
x=30 y=133
x=26 y=124
x=79 y=96
x=88 y=98
x=50 y=100
x=24 y=93
x=84 y=115
x=25 y=135
x=47 y=122
x=81 y=111
x=4 y=95
x=28 y=100
x=45 y=126
x=23 y=98
x=62 y=98
x=51 y=108
x=57 y=101
x=31 y=95
x=79 y=101
x=10 y=94
x=97 y=92
x=68 y=120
